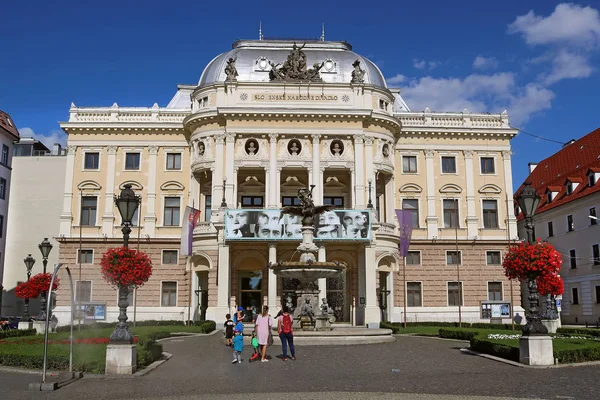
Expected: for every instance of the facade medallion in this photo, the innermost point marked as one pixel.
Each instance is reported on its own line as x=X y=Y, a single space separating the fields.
x=386 y=150
x=262 y=64
x=244 y=96
x=201 y=149
x=336 y=147
x=345 y=98
x=294 y=147
x=251 y=147
x=329 y=65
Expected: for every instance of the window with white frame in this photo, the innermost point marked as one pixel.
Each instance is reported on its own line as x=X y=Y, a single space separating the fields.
x=487 y=165
x=409 y=164
x=450 y=213
x=494 y=290
x=168 y=294
x=413 y=294
x=455 y=294
x=89 y=205
x=573 y=258
x=453 y=257
x=132 y=161
x=207 y=207
x=86 y=256
x=91 y=160
x=170 y=257
x=172 y=211
x=412 y=205
x=83 y=291
x=493 y=257
x=490 y=214
x=413 y=257
x=173 y=161
x=2 y=188
x=596 y=254
x=4 y=160
x=448 y=165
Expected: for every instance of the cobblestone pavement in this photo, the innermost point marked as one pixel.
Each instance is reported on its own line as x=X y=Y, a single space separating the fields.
x=409 y=368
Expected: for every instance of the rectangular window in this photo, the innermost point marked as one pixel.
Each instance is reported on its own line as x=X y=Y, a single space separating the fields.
x=83 y=291
x=570 y=225
x=92 y=160
x=252 y=201
x=413 y=258
x=490 y=214
x=494 y=290
x=569 y=188
x=597 y=294
x=333 y=201
x=450 y=213
x=453 y=257
x=173 y=161
x=207 y=207
x=593 y=221
x=574 y=296
x=448 y=165
x=493 y=257
x=172 y=209
x=573 y=258
x=132 y=161
x=409 y=164
x=2 y=188
x=412 y=205
x=1 y=225
x=169 y=257
x=455 y=294
x=550 y=229
x=592 y=179
x=413 y=294
x=4 y=155
x=290 y=201
x=86 y=256
x=89 y=205
x=487 y=165
x=169 y=294
x=596 y=254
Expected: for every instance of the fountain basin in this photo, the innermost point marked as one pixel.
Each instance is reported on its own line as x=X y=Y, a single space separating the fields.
x=308 y=272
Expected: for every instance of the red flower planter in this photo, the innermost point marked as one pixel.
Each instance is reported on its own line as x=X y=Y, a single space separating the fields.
x=125 y=267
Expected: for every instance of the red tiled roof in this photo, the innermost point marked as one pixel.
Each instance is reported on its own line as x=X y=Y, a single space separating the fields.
x=573 y=162
x=7 y=124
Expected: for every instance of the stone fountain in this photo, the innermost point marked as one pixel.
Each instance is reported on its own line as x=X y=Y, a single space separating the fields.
x=308 y=269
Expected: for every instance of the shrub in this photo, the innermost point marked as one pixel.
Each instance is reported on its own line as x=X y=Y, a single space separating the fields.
x=33 y=361
x=579 y=331
x=148 y=350
x=459 y=334
x=17 y=333
x=482 y=344
x=589 y=352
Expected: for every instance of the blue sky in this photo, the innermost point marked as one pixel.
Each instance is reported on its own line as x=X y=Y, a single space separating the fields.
x=536 y=58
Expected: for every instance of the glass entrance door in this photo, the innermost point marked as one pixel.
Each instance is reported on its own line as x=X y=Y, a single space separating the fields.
x=250 y=284
x=337 y=297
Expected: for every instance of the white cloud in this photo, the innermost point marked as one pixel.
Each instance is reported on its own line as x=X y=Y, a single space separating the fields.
x=568 y=65
x=569 y=24
x=422 y=64
x=396 y=79
x=527 y=101
x=482 y=62
x=55 y=136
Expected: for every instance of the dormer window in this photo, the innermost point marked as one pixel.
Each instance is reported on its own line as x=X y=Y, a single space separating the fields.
x=548 y=197
x=591 y=179
x=569 y=188
x=551 y=193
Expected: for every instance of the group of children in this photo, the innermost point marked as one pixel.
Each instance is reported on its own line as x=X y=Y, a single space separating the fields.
x=234 y=337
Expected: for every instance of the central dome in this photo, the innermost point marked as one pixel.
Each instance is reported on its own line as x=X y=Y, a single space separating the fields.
x=253 y=58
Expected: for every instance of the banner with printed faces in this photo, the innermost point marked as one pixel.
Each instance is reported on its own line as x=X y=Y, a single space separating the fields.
x=256 y=224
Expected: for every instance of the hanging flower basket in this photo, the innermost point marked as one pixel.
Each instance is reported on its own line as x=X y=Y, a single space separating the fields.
x=25 y=291
x=125 y=267
x=41 y=283
x=551 y=284
x=530 y=261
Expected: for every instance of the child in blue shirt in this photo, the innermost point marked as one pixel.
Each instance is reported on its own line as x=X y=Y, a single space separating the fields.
x=238 y=346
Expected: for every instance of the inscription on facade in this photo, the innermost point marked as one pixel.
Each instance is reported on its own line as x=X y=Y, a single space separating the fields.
x=294 y=97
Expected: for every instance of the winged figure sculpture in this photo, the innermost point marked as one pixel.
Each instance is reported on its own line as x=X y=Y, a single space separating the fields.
x=308 y=211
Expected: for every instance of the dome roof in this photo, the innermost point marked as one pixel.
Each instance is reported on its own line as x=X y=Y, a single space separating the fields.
x=253 y=57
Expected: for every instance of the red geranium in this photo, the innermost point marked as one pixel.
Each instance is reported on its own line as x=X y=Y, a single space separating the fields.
x=126 y=267
x=550 y=284
x=25 y=291
x=528 y=261
x=41 y=283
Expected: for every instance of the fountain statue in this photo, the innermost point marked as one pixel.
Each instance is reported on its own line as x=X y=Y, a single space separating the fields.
x=308 y=270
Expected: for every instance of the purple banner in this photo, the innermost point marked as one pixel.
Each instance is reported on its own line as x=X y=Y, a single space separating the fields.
x=405 y=224
x=190 y=220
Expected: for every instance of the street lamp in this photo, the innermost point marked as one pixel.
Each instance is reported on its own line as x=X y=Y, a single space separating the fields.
x=29 y=261
x=127 y=203
x=45 y=248
x=370 y=204
x=224 y=201
x=529 y=200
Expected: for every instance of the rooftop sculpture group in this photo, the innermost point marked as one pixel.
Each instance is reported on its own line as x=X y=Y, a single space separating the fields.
x=294 y=69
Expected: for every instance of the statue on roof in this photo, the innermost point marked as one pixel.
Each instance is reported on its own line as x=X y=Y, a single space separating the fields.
x=294 y=69
x=358 y=75
x=230 y=70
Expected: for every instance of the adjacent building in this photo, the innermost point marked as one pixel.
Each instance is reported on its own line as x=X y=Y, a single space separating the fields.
x=38 y=179
x=260 y=124
x=8 y=135
x=568 y=185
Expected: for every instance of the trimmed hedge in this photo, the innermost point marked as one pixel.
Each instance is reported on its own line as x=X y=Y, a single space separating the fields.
x=482 y=344
x=398 y=326
x=99 y=325
x=17 y=333
x=459 y=334
x=579 y=331
x=586 y=353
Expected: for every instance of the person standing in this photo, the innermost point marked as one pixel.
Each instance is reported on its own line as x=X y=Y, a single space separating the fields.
x=238 y=346
x=228 y=330
x=286 y=333
x=264 y=322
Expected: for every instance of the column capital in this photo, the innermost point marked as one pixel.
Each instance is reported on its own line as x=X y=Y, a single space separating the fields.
x=429 y=153
x=468 y=153
x=153 y=149
x=359 y=139
x=71 y=149
x=219 y=138
x=230 y=137
x=506 y=154
x=272 y=245
x=368 y=140
x=316 y=137
x=273 y=137
x=111 y=149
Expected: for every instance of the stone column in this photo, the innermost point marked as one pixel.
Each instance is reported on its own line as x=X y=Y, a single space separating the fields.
x=431 y=219
x=108 y=218
x=272 y=281
x=273 y=185
x=389 y=200
x=508 y=184
x=370 y=172
x=217 y=180
x=150 y=217
x=66 y=217
x=317 y=177
x=234 y=203
x=267 y=186
x=321 y=257
x=229 y=157
x=224 y=276
x=359 y=172
x=278 y=187
x=372 y=311
x=472 y=219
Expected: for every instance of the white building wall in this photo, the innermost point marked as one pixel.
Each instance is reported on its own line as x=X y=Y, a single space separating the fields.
x=34 y=209
x=5 y=173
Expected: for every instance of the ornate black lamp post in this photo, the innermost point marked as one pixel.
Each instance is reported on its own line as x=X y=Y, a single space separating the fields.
x=224 y=201
x=45 y=248
x=29 y=261
x=370 y=204
x=528 y=201
x=127 y=203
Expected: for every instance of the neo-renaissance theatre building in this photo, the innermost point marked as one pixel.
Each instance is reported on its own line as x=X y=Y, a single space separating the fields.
x=267 y=118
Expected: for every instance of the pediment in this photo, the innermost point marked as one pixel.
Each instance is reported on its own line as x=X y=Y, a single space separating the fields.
x=292 y=182
x=451 y=188
x=252 y=182
x=334 y=182
x=89 y=185
x=411 y=188
x=134 y=185
x=490 y=189
x=172 y=185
